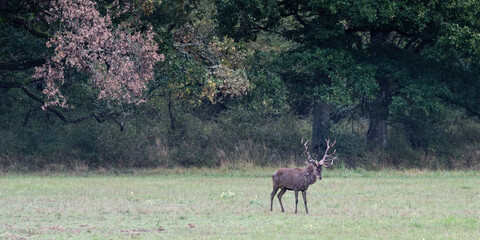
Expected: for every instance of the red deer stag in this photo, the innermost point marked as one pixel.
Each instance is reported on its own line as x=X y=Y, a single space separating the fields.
x=296 y=179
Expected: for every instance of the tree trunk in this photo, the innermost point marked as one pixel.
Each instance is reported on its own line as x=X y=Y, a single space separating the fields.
x=321 y=125
x=378 y=112
x=377 y=132
x=171 y=110
x=378 y=109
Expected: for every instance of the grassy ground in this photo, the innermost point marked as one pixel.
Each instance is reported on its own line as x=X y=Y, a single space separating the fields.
x=220 y=204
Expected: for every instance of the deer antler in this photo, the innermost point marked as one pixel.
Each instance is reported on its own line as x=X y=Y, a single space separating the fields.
x=328 y=162
x=310 y=159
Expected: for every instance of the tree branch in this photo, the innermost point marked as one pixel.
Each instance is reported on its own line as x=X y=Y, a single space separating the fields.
x=21 y=66
x=99 y=118
x=422 y=45
x=16 y=84
x=22 y=22
x=411 y=43
x=293 y=7
x=10 y=84
x=117 y=122
x=202 y=51
x=462 y=105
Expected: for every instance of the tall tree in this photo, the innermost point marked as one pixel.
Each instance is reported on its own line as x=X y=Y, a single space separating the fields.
x=113 y=61
x=368 y=52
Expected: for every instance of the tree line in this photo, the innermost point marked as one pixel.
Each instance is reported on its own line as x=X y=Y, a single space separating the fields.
x=139 y=83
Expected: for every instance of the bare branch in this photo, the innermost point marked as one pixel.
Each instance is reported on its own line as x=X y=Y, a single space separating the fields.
x=460 y=104
x=117 y=122
x=17 y=84
x=99 y=118
x=21 y=66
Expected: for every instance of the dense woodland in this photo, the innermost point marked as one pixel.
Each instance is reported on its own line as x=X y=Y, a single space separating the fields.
x=230 y=83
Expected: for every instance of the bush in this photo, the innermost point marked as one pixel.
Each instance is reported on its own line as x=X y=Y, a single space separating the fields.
x=231 y=137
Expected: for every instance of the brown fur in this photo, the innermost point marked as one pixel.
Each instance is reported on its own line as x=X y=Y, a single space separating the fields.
x=295 y=179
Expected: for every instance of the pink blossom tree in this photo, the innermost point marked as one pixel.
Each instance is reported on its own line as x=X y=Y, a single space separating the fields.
x=119 y=61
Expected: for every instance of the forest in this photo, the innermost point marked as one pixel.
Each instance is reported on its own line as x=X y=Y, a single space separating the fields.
x=124 y=84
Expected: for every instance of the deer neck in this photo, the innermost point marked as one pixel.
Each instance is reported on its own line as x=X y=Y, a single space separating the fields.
x=309 y=175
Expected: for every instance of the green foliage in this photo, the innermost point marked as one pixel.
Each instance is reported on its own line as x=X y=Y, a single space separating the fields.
x=19 y=45
x=239 y=79
x=406 y=62
x=255 y=16
x=267 y=96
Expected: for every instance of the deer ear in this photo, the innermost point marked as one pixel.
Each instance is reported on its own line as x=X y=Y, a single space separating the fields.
x=312 y=162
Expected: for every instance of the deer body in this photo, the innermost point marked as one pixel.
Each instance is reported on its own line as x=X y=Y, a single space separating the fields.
x=297 y=179
x=294 y=179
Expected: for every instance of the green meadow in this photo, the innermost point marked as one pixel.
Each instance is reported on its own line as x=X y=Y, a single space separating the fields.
x=234 y=204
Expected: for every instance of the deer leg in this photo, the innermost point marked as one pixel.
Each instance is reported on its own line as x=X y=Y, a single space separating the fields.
x=304 y=194
x=280 y=197
x=296 y=200
x=272 y=196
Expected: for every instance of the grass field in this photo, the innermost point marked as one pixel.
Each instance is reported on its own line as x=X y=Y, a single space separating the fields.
x=222 y=204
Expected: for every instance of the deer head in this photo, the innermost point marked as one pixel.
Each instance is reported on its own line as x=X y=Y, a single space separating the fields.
x=326 y=161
